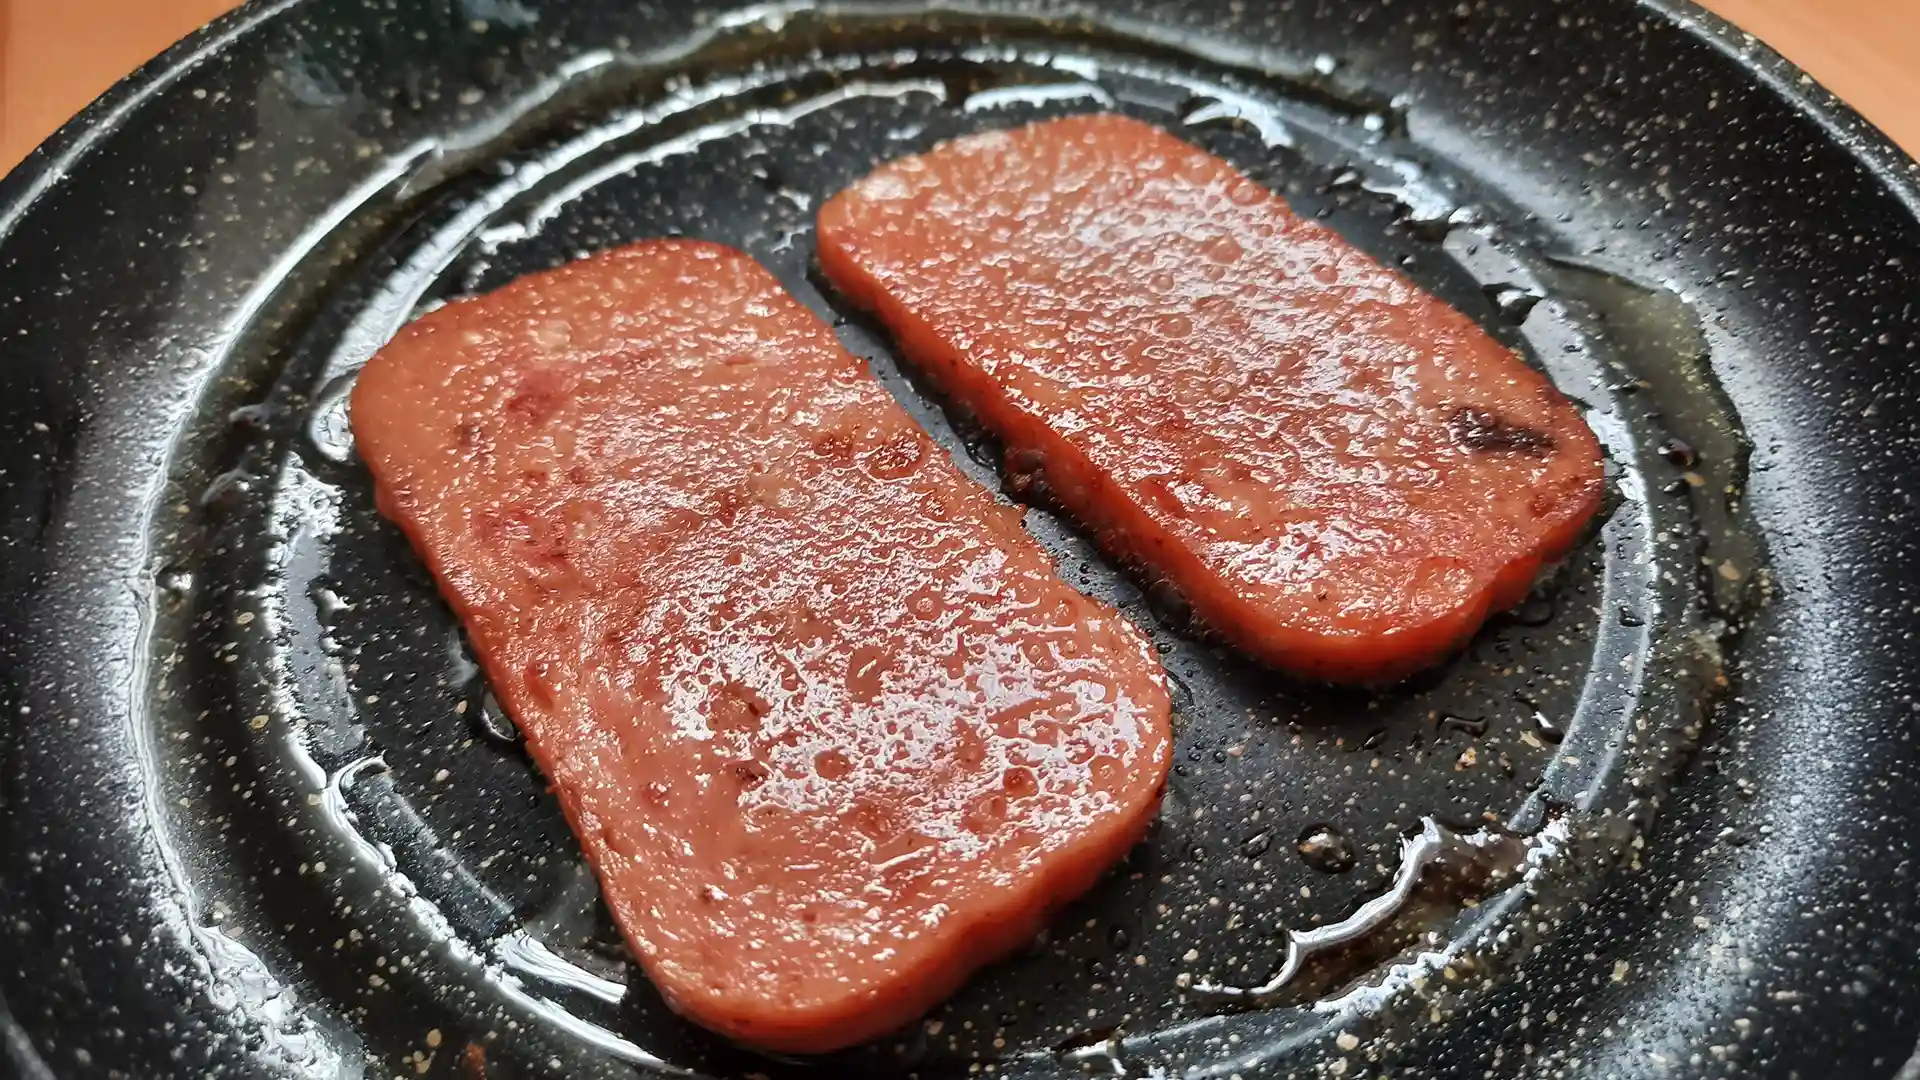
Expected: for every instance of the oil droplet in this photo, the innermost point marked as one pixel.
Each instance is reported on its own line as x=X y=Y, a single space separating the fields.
x=493 y=720
x=1119 y=939
x=1423 y=208
x=831 y=765
x=1098 y=1053
x=1513 y=302
x=1327 y=848
x=327 y=428
x=175 y=582
x=328 y=605
x=1680 y=452
x=1467 y=725
x=1224 y=250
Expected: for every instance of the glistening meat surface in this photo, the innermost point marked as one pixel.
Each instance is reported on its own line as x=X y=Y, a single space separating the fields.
x=1339 y=472
x=827 y=724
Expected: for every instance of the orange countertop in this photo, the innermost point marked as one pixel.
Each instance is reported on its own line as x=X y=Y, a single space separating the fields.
x=56 y=55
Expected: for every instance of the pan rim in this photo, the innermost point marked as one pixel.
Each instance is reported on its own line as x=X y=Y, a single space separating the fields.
x=46 y=163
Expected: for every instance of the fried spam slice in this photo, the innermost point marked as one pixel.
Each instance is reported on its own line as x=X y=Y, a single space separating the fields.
x=826 y=722
x=1339 y=472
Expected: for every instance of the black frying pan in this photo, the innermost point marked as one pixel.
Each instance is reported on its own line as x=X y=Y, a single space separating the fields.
x=258 y=816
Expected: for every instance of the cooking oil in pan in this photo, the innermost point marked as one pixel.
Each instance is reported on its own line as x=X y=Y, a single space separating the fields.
x=1301 y=835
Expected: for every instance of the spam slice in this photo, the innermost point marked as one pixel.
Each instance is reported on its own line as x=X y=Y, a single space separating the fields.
x=1339 y=472
x=827 y=724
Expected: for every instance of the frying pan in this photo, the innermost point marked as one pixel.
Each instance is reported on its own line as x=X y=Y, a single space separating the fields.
x=258 y=815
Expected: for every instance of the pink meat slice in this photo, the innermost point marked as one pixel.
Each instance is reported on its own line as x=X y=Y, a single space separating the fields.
x=1341 y=473
x=826 y=722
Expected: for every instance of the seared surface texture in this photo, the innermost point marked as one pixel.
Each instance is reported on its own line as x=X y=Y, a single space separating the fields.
x=1340 y=473
x=823 y=717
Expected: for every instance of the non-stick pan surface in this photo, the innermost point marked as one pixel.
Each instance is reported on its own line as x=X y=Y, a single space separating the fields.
x=258 y=815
